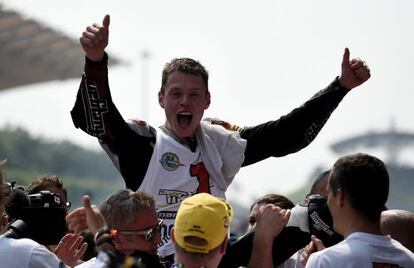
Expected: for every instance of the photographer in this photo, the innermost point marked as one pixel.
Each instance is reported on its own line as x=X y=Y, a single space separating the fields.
x=23 y=252
x=36 y=216
x=41 y=217
x=72 y=248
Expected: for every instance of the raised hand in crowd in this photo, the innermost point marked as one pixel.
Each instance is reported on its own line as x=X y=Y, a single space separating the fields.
x=269 y=223
x=84 y=218
x=314 y=245
x=71 y=249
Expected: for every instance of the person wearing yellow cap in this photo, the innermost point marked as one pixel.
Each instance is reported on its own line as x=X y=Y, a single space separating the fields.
x=201 y=231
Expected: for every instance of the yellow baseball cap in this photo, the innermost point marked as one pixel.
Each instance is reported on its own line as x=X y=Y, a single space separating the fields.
x=203 y=216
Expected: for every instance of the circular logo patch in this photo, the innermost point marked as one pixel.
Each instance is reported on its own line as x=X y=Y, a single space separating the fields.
x=170 y=161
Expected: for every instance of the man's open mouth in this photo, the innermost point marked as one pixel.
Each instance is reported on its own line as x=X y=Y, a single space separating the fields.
x=184 y=118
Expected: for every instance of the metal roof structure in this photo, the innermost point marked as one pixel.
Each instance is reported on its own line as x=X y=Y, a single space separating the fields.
x=392 y=141
x=31 y=52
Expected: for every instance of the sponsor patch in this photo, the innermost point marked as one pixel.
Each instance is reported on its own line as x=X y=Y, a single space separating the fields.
x=173 y=196
x=170 y=161
x=226 y=125
x=139 y=122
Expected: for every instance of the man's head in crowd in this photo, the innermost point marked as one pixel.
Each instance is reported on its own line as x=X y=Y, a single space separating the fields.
x=4 y=190
x=275 y=199
x=399 y=224
x=134 y=220
x=358 y=187
x=52 y=184
x=320 y=183
x=201 y=230
x=4 y=194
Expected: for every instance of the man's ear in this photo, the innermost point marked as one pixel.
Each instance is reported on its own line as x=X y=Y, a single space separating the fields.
x=172 y=235
x=340 y=197
x=161 y=98
x=223 y=246
x=208 y=97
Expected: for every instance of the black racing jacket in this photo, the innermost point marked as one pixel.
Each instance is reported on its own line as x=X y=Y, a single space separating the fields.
x=131 y=143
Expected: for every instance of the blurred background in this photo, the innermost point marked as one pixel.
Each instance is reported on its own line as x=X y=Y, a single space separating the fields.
x=264 y=58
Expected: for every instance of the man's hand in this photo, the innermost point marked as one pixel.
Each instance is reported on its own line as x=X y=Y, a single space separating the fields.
x=86 y=217
x=313 y=246
x=354 y=72
x=270 y=221
x=95 y=39
x=71 y=249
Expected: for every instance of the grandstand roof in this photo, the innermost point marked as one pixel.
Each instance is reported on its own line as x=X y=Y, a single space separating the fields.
x=31 y=52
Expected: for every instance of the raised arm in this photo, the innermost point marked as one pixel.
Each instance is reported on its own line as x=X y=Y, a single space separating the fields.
x=296 y=130
x=270 y=221
x=95 y=113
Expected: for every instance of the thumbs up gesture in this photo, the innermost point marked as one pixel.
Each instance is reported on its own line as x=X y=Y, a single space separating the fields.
x=354 y=72
x=86 y=217
x=95 y=39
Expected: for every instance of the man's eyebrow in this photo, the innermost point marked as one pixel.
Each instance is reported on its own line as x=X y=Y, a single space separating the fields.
x=191 y=89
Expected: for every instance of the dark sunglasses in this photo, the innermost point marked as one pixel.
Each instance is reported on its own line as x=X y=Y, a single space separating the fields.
x=148 y=234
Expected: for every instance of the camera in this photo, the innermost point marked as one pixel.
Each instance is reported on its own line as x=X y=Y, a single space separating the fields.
x=40 y=217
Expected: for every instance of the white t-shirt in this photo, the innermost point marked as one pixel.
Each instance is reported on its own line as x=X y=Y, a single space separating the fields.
x=292 y=262
x=361 y=250
x=26 y=253
x=101 y=261
x=88 y=264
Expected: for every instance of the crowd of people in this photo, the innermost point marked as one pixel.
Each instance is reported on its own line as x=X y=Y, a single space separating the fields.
x=338 y=223
x=173 y=212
